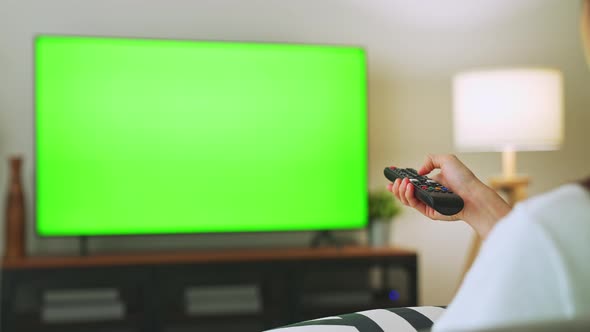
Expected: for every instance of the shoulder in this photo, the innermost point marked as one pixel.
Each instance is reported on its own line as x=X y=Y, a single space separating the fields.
x=569 y=201
x=549 y=231
x=563 y=215
x=525 y=267
x=559 y=218
x=544 y=220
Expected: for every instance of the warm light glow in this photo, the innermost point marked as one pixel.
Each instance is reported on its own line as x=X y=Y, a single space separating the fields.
x=516 y=109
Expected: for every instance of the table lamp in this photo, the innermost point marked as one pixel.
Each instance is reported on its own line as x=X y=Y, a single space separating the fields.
x=507 y=110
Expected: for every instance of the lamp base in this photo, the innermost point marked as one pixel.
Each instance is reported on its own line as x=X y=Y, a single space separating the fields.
x=508 y=162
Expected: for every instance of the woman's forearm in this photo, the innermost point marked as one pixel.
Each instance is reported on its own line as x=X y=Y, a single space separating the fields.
x=491 y=208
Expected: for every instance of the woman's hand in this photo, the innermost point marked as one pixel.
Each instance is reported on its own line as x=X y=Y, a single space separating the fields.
x=483 y=206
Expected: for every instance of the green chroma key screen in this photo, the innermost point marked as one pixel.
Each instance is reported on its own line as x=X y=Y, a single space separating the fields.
x=140 y=136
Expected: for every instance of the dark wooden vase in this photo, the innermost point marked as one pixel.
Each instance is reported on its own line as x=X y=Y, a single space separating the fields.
x=15 y=213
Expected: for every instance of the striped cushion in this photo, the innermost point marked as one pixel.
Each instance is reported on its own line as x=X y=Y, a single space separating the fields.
x=409 y=319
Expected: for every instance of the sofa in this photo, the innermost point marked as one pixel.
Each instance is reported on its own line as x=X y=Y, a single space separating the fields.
x=413 y=319
x=408 y=319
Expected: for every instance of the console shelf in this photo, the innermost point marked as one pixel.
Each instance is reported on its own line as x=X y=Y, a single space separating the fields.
x=151 y=284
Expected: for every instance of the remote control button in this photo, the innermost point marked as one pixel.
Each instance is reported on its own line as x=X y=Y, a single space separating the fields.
x=391 y=167
x=424 y=187
x=414 y=180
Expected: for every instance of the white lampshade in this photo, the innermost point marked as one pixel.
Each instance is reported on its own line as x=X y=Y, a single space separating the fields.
x=508 y=109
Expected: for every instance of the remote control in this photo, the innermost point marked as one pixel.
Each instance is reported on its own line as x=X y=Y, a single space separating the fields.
x=433 y=194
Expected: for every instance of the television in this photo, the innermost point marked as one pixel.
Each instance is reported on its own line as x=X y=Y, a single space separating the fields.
x=146 y=136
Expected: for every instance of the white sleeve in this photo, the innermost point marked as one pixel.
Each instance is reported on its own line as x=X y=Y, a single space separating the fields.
x=518 y=277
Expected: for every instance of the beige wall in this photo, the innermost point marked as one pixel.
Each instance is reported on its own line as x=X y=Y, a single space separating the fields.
x=414 y=48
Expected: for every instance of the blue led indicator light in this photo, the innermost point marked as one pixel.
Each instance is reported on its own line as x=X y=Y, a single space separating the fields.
x=393 y=295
